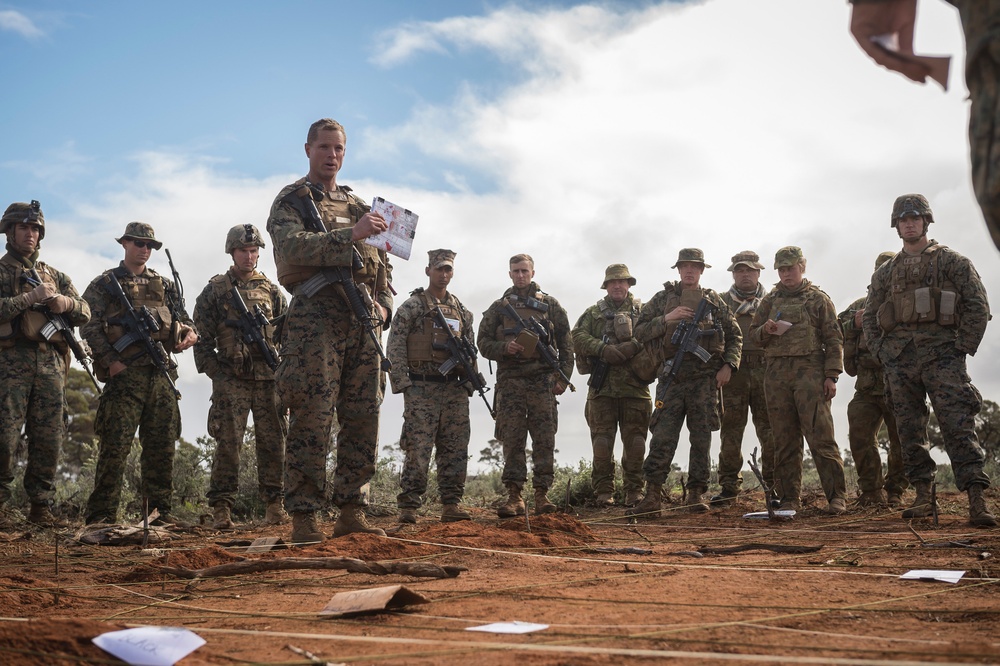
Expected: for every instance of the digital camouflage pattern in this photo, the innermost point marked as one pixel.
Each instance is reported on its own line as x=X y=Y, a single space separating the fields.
x=329 y=365
x=924 y=360
x=623 y=402
x=692 y=396
x=523 y=396
x=435 y=413
x=797 y=364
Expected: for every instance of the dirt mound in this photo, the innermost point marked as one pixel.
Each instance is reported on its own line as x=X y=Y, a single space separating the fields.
x=552 y=531
x=553 y=522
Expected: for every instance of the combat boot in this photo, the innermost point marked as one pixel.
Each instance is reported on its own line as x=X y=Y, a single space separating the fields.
x=604 y=500
x=872 y=498
x=222 y=519
x=921 y=507
x=695 y=505
x=275 y=514
x=408 y=516
x=894 y=498
x=41 y=515
x=9 y=517
x=649 y=506
x=725 y=498
x=979 y=515
x=515 y=503
x=836 y=507
x=304 y=528
x=453 y=514
x=633 y=497
x=353 y=520
x=542 y=503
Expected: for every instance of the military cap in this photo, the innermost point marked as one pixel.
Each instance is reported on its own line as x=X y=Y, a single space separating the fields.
x=747 y=258
x=22 y=212
x=910 y=205
x=883 y=257
x=617 y=272
x=692 y=254
x=140 y=231
x=788 y=256
x=439 y=258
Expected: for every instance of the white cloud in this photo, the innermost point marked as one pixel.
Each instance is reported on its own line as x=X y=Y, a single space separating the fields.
x=15 y=21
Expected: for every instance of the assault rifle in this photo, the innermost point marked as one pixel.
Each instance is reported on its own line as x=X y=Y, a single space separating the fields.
x=178 y=309
x=139 y=327
x=686 y=338
x=462 y=352
x=251 y=327
x=546 y=351
x=57 y=324
x=599 y=369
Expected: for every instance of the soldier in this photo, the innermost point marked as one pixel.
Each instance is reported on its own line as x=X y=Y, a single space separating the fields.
x=526 y=386
x=137 y=394
x=693 y=394
x=745 y=391
x=602 y=338
x=32 y=369
x=242 y=380
x=330 y=359
x=927 y=310
x=436 y=412
x=867 y=410
x=804 y=359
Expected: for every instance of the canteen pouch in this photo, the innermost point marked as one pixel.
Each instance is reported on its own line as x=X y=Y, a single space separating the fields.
x=887 y=317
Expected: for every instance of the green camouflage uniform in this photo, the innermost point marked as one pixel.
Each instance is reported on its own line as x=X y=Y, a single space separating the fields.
x=622 y=403
x=693 y=395
x=866 y=412
x=523 y=395
x=927 y=359
x=436 y=407
x=329 y=365
x=138 y=397
x=32 y=373
x=797 y=364
x=242 y=383
x=743 y=395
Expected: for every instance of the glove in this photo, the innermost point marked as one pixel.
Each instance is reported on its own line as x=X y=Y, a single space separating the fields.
x=40 y=293
x=612 y=356
x=59 y=304
x=629 y=348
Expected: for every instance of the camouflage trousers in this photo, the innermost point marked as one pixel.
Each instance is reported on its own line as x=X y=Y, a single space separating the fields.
x=911 y=376
x=32 y=379
x=693 y=398
x=984 y=136
x=232 y=402
x=329 y=370
x=526 y=405
x=865 y=413
x=742 y=396
x=605 y=416
x=797 y=409
x=138 y=397
x=435 y=417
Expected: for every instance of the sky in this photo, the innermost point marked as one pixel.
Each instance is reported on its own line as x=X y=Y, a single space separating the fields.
x=583 y=134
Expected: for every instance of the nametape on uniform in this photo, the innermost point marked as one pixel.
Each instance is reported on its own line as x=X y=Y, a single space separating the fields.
x=372 y=599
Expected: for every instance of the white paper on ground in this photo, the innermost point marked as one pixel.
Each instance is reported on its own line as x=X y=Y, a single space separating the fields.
x=515 y=627
x=150 y=646
x=781 y=513
x=943 y=575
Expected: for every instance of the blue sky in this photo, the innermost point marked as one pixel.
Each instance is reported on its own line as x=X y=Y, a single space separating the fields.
x=583 y=134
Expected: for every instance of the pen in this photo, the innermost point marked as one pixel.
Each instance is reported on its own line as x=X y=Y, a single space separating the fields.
x=777 y=315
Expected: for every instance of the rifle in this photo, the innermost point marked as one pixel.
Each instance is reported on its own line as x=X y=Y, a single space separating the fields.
x=359 y=300
x=139 y=326
x=686 y=337
x=546 y=351
x=599 y=369
x=58 y=324
x=462 y=352
x=251 y=326
x=178 y=312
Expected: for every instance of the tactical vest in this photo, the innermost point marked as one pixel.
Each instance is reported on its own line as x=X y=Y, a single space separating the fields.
x=147 y=290
x=609 y=314
x=527 y=307
x=802 y=338
x=228 y=340
x=427 y=341
x=918 y=293
x=29 y=323
x=714 y=344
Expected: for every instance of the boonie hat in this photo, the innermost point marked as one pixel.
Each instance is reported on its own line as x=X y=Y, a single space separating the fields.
x=693 y=255
x=747 y=258
x=140 y=231
x=617 y=272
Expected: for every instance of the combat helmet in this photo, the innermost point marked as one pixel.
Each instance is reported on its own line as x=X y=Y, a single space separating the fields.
x=909 y=205
x=22 y=212
x=242 y=235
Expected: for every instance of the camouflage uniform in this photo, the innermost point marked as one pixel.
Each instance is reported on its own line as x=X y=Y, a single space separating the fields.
x=242 y=382
x=32 y=372
x=436 y=407
x=329 y=364
x=524 y=400
x=797 y=365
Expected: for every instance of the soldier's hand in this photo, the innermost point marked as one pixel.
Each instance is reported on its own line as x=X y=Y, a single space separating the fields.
x=723 y=376
x=371 y=224
x=513 y=349
x=188 y=338
x=858 y=318
x=679 y=313
x=612 y=355
x=59 y=304
x=770 y=326
x=40 y=293
x=829 y=388
x=559 y=387
x=116 y=367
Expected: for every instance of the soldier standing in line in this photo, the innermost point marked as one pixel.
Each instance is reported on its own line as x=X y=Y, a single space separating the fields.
x=745 y=391
x=329 y=357
x=137 y=393
x=436 y=411
x=693 y=395
x=804 y=362
x=526 y=386
x=32 y=369
x=926 y=311
x=603 y=343
x=242 y=380
x=866 y=412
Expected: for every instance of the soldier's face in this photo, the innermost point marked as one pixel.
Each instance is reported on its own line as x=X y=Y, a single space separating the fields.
x=910 y=229
x=617 y=289
x=746 y=278
x=134 y=254
x=326 y=155
x=791 y=276
x=25 y=238
x=440 y=277
x=521 y=274
x=245 y=258
x=690 y=273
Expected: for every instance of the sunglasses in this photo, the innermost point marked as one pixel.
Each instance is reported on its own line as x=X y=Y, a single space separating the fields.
x=144 y=244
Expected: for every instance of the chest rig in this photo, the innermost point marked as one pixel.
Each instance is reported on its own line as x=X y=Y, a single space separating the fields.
x=427 y=341
x=802 y=338
x=147 y=290
x=918 y=292
x=526 y=307
x=27 y=325
x=619 y=324
x=228 y=339
x=690 y=298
